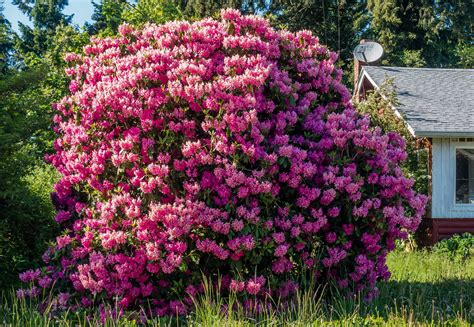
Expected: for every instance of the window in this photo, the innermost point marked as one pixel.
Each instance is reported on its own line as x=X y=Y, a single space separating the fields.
x=464 y=175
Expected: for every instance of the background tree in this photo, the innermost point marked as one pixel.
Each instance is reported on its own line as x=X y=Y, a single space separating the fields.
x=46 y=16
x=338 y=24
x=109 y=14
x=202 y=8
x=6 y=42
x=33 y=78
x=450 y=33
x=414 y=33
x=26 y=181
x=155 y=11
x=422 y=32
x=107 y=17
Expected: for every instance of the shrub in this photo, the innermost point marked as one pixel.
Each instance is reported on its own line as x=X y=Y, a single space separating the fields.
x=224 y=148
x=26 y=181
x=26 y=212
x=379 y=106
x=458 y=247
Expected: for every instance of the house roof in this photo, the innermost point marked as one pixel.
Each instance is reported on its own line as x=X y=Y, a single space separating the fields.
x=435 y=102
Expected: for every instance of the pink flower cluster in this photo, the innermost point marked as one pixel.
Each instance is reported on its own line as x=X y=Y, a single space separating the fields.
x=224 y=148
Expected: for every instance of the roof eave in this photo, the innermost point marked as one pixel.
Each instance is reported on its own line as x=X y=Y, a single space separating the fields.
x=448 y=134
x=365 y=75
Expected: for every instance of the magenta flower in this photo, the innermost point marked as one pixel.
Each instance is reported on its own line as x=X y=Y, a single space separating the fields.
x=219 y=147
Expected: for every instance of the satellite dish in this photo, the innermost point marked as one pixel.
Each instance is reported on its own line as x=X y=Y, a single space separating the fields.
x=368 y=52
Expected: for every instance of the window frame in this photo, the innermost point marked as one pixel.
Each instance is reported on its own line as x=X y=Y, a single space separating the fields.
x=460 y=145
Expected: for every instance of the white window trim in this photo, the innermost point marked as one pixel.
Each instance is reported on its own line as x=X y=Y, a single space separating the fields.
x=454 y=146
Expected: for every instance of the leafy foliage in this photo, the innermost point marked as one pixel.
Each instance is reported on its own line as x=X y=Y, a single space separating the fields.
x=195 y=9
x=154 y=11
x=107 y=17
x=460 y=247
x=25 y=207
x=339 y=24
x=220 y=147
x=25 y=219
x=6 y=43
x=46 y=17
x=415 y=33
x=422 y=33
x=380 y=105
x=26 y=211
x=109 y=14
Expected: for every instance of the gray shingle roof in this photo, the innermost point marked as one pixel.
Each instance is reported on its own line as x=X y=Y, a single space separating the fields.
x=434 y=101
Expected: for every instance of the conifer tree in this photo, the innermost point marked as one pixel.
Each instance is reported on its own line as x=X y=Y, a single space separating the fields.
x=6 y=42
x=46 y=16
x=423 y=32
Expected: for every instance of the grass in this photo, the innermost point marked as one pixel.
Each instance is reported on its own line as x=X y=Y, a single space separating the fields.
x=426 y=289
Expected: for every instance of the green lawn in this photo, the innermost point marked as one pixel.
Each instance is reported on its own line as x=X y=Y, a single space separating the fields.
x=425 y=289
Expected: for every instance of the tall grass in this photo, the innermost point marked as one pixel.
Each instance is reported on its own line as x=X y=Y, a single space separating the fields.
x=426 y=289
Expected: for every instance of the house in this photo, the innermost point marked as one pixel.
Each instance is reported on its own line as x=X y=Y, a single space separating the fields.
x=438 y=106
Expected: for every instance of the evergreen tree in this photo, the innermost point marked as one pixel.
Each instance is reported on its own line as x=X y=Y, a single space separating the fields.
x=109 y=14
x=107 y=17
x=46 y=16
x=202 y=8
x=338 y=24
x=423 y=32
x=6 y=42
x=450 y=34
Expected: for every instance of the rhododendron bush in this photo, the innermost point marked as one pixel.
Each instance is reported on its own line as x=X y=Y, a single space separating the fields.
x=219 y=148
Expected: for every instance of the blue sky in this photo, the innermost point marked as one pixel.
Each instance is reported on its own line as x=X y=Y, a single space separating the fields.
x=82 y=10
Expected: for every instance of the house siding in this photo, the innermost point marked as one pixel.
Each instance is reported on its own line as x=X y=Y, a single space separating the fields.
x=443 y=180
x=431 y=231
